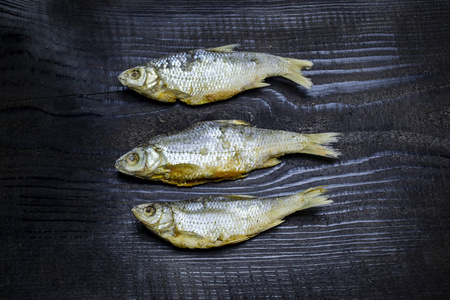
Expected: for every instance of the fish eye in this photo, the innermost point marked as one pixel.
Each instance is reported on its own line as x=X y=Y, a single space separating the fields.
x=135 y=74
x=133 y=158
x=150 y=210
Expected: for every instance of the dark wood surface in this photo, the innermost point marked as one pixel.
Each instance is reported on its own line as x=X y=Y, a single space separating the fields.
x=381 y=74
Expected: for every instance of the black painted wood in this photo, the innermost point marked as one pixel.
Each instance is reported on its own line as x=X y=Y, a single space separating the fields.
x=381 y=77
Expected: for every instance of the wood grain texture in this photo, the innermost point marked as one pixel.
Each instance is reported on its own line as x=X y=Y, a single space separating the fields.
x=381 y=74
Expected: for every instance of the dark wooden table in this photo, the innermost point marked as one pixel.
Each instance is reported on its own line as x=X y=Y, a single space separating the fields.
x=381 y=75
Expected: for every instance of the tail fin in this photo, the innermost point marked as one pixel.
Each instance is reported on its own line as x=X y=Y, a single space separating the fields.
x=314 y=197
x=295 y=75
x=318 y=144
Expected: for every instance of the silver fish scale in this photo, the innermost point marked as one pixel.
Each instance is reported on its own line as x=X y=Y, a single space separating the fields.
x=202 y=72
x=221 y=216
x=222 y=145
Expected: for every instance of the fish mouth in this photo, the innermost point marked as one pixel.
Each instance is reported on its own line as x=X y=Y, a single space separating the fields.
x=119 y=166
x=122 y=78
x=135 y=211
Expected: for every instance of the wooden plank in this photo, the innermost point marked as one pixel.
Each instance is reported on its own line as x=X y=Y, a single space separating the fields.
x=381 y=78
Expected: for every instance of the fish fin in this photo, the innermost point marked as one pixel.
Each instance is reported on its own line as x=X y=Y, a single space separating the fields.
x=194 y=100
x=188 y=239
x=177 y=93
x=226 y=48
x=169 y=95
x=258 y=84
x=234 y=122
x=314 y=197
x=270 y=163
x=228 y=175
x=178 y=232
x=163 y=96
x=236 y=239
x=273 y=224
x=295 y=75
x=180 y=95
x=317 y=144
x=181 y=170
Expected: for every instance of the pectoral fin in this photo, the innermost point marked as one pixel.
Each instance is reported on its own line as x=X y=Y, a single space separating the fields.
x=188 y=239
x=177 y=93
x=226 y=48
x=187 y=234
x=181 y=170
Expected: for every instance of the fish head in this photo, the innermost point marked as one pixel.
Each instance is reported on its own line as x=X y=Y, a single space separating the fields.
x=142 y=79
x=134 y=77
x=140 y=162
x=158 y=217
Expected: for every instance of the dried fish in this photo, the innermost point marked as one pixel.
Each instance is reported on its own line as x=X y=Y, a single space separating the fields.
x=209 y=75
x=214 y=221
x=218 y=150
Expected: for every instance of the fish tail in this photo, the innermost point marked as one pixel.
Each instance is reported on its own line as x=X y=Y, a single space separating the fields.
x=318 y=144
x=309 y=198
x=295 y=65
x=314 y=197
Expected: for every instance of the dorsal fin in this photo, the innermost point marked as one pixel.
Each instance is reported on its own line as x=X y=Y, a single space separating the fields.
x=226 y=48
x=235 y=122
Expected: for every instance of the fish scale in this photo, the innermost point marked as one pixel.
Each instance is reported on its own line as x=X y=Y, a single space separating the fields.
x=219 y=213
x=204 y=77
x=211 y=137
